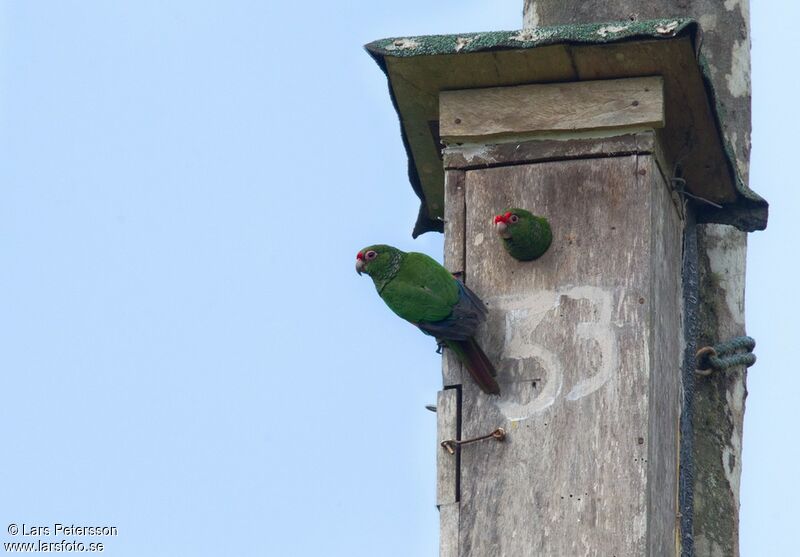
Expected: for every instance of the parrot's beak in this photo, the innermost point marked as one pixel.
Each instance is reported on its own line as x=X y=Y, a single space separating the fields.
x=359 y=266
x=501 y=227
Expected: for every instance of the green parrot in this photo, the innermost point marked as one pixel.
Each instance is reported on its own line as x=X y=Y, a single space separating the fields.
x=525 y=236
x=421 y=291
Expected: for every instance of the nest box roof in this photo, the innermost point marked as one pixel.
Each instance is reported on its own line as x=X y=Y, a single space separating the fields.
x=418 y=68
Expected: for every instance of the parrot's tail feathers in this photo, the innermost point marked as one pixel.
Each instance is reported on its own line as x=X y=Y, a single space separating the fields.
x=477 y=363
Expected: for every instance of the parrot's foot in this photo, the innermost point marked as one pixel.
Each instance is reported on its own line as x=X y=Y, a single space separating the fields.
x=440 y=346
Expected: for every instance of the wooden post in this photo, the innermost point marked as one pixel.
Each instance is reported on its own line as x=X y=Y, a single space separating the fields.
x=719 y=400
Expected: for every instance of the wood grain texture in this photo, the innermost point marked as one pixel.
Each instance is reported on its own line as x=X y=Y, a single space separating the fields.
x=666 y=348
x=470 y=156
x=454 y=221
x=587 y=105
x=589 y=375
x=454 y=230
x=448 y=530
x=446 y=428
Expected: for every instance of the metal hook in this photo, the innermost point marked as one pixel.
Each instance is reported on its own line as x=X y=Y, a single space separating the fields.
x=451 y=445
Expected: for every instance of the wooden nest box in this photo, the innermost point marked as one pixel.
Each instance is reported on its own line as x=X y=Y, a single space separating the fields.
x=611 y=132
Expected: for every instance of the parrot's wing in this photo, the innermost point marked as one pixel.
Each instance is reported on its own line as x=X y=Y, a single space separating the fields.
x=422 y=290
x=426 y=294
x=425 y=271
x=473 y=299
x=414 y=302
x=463 y=320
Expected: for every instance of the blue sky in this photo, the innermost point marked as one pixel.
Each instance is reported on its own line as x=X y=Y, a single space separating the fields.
x=185 y=349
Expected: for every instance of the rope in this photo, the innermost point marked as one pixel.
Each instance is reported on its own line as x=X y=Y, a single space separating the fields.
x=737 y=351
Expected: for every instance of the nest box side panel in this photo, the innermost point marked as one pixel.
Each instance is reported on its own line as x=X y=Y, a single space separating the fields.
x=666 y=345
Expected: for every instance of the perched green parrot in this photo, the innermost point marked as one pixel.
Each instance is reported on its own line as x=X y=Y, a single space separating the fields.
x=525 y=236
x=421 y=291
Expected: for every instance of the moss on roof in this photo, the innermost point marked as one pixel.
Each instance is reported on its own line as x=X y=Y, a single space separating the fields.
x=592 y=33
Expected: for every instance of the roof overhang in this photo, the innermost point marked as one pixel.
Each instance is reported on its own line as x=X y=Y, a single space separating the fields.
x=419 y=68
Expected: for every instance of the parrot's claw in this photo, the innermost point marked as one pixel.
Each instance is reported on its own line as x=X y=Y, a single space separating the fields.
x=440 y=346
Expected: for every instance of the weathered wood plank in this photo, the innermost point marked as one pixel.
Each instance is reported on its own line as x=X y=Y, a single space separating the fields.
x=452 y=371
x=472 y=156
x=454 y=221
x=583 y=352
x=446 y=428
x=666 y=340
x=587 y=105
x=448 y=530
x=454 y=230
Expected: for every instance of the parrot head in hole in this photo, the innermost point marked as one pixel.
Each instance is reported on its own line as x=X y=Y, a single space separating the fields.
x=525 y=236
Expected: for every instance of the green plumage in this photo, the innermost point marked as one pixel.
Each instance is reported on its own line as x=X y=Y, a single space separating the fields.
x=529 y=237
x=420 y=290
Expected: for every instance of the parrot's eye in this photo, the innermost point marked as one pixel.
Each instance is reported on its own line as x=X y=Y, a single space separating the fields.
x=513 y=219
x=371 y=255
